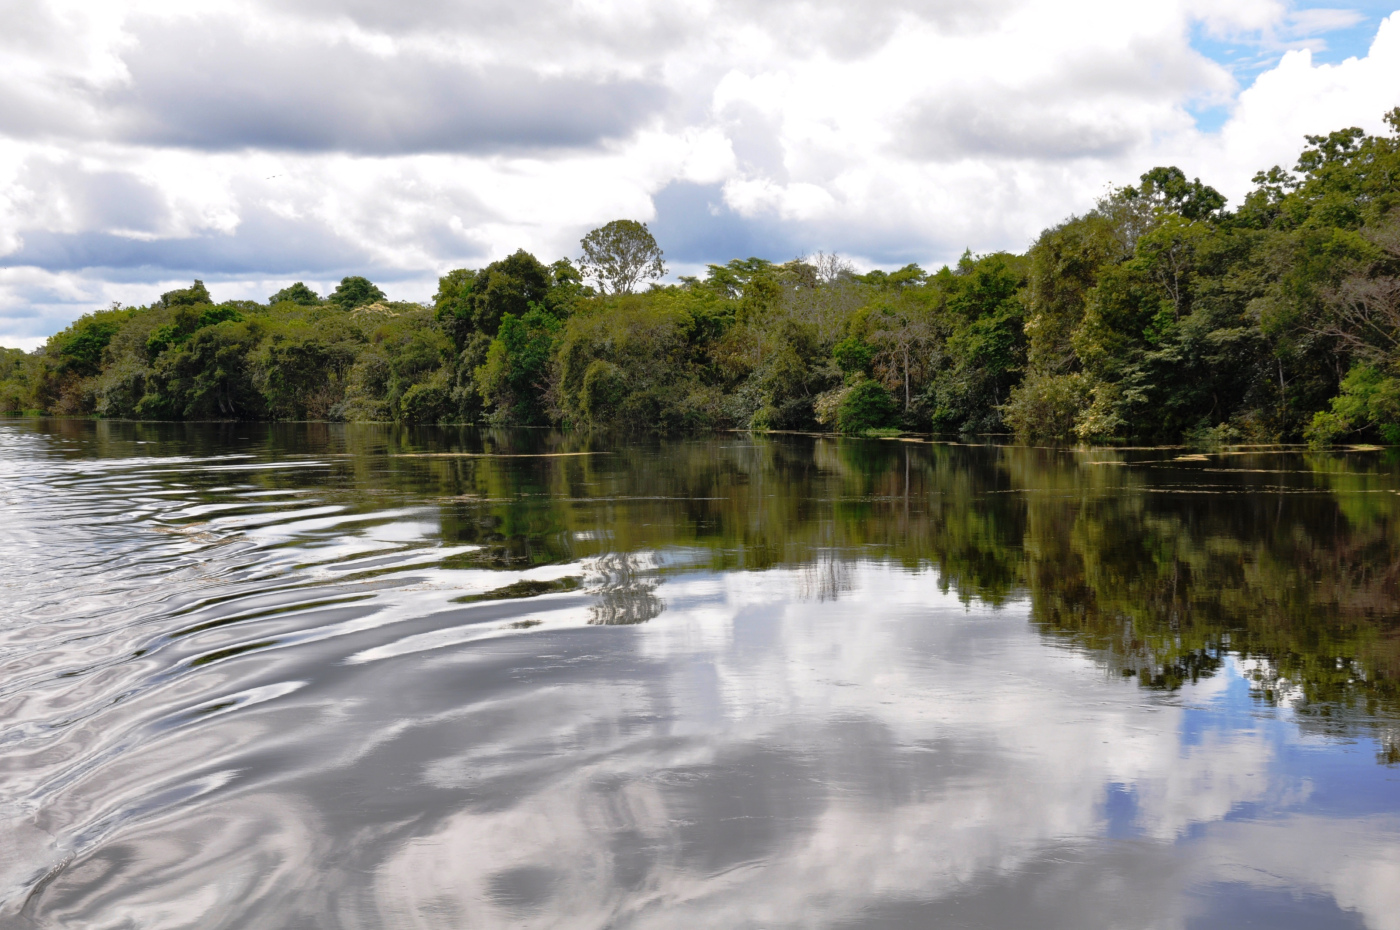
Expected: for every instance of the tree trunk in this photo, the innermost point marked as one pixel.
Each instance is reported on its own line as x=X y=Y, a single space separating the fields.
x=906 y=377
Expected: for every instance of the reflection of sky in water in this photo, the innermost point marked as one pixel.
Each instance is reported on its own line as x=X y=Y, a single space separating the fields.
x=894 y=758
x=302 y=722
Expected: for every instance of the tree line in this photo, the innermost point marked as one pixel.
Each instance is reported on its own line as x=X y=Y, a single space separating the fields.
x=1157 y=316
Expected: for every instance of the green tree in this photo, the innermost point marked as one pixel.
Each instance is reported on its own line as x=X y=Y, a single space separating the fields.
x=620 y=254
x=1369 y=398
x=470 y=302
x=191 y=296
x=1048 y=406
x=866 y=406
x=454 y=306
x=297 y=293
x=515 y=377
x=208 y=377
x=1168 y=191
x=638 y=363
x=355 y=291
x=854 y=356
x=300 y=367
x=78 y=349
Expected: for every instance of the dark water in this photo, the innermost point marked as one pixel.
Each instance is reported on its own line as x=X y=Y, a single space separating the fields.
x=318 y=676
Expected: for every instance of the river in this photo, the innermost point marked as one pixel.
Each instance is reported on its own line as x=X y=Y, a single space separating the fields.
x=358 y=676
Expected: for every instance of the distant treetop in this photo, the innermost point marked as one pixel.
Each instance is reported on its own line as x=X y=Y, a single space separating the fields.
x=355 y=291
x=621 y=254
x=297 y=293
x=1168 y=189
x=187 y=297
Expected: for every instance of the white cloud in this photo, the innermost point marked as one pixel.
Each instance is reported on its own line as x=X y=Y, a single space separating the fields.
x=252 y=144
x=1300 y=97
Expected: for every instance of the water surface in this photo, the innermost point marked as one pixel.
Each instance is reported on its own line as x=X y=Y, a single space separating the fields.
x=312 y=676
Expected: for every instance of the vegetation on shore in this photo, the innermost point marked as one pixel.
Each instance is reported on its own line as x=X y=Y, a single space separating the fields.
x=1156 y=316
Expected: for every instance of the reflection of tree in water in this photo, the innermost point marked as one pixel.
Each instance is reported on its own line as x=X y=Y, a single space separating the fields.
x=625 y=589
x=1299 y=585
x=826 y=577
x=1163 y=570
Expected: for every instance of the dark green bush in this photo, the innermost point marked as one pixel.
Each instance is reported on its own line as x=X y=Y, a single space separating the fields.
x=866 y=406
x=604 y=389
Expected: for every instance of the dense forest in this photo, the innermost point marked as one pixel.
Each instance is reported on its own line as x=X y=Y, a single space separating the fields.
x=1159 y=315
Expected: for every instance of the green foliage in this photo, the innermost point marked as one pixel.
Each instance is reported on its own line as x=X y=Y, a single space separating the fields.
x=854 y=356
x=620 y=254
x=207 y=377
x=1047 y=407
x=213 y=316
x=603 y=392
x=866 y=406
x=301 y=369
x=1065 y=265
x=78 y=349
x=355 y=291
x=11 y=363
x=426 y=402
x=454 y=305
x=16 y=375
x=1167 y=190
x=297 y=293
x=636 y=362
x=475 y=302
x=188 y=318
x=509 y=287
x=729 y=280
x=983 y=344
x=192 y=296
x=515 y=376
x=1370 y=398
x=163 y=337
x=908 y=276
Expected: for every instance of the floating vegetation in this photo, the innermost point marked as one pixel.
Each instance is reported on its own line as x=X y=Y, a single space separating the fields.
x=490 y=455
x=526 y=588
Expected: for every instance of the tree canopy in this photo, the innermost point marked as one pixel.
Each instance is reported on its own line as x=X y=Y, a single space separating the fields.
x=353 y=292
x=621 y=254
x=297 y=293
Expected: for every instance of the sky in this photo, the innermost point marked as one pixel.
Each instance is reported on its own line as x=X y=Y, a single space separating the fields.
x=252 y=143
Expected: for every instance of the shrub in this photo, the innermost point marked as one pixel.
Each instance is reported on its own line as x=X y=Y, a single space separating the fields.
x=1047 y=406
x=1369 y=397
x=866 y=406
x=428 y=402
x=827 y=404
x=604 y=390
x=628 y=365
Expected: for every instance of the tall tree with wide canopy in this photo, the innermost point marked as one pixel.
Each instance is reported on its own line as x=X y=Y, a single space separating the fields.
x=621 y=254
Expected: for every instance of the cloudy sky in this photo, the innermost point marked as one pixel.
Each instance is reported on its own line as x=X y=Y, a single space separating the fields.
x=250 y=143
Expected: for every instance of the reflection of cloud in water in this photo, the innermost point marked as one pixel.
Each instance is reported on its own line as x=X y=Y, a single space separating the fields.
x=895 y=754
x=1354 y=862
x=425 y=740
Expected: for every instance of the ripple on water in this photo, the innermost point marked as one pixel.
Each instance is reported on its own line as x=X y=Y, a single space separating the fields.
x=488 y=680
